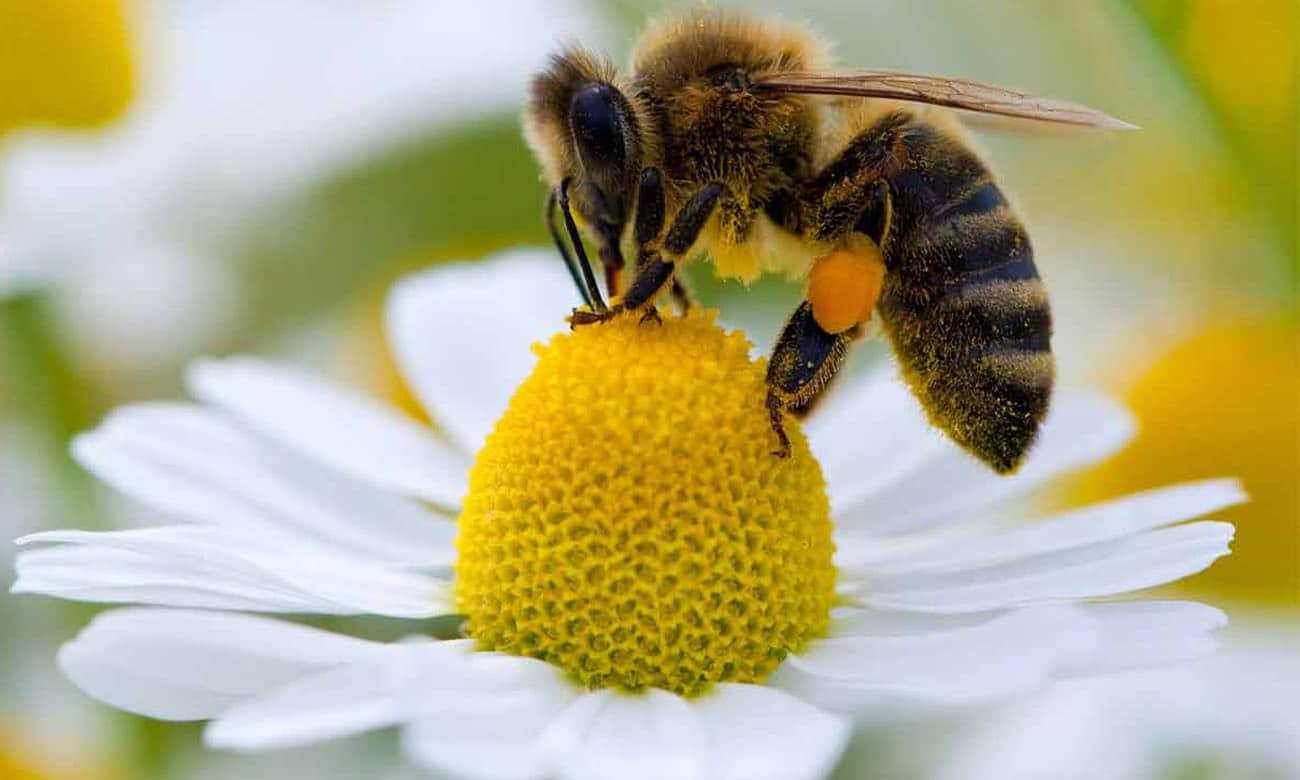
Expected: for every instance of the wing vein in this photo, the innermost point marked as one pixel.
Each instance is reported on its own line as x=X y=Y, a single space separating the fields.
x=942 y=91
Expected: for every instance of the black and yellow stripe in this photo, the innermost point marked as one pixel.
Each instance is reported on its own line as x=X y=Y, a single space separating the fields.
x=962 y=302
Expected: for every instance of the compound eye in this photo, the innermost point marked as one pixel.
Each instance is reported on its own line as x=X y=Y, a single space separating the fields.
x=596 y=117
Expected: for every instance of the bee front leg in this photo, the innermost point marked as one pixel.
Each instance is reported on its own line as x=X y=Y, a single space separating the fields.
x=654 y=268
x=652 y=274
x=649 y=208
x=650 y=222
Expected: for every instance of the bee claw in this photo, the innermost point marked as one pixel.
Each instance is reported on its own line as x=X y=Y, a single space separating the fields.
x=651 y=314
x=588 y=317
x=775 y=408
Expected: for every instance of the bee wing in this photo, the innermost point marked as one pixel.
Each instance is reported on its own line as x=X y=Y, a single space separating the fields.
x=940 y=91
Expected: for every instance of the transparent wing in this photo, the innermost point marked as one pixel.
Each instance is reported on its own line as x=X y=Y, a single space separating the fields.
x=941 y=91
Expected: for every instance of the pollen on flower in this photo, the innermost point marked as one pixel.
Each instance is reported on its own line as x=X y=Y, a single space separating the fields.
x=627 y=521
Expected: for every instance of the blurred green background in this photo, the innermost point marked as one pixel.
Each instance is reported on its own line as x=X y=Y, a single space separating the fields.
x=185 y=178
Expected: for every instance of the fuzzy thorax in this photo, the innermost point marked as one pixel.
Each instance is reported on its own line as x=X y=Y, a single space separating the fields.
x=627 y=521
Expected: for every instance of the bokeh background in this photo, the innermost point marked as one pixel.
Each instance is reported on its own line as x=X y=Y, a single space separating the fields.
x=188 y=177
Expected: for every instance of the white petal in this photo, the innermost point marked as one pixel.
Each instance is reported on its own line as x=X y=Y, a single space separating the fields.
x=200 y=465
x=1106 y=568
x=1080 y=429
x=1150 y=633
x=486 y=737
x=204 y=565
x=114 y=576
x=857 y=621
x=892 y=663
x=462 y=334
x=869 y=434
x=759 y=733
x=482 y=715
x=529 y=722
x=336 y=426
x=1004 y=655
x=187 y=665
x=649 y=735
x=327 y=705
x=1089 y=525
x=857 y=550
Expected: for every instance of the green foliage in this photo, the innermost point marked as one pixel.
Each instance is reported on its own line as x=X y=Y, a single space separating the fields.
x=42 y=388
x=468 y=190
x=1242 y=67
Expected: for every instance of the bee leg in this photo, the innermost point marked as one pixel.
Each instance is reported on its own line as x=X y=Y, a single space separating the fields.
x=804 y=361
x=691 y=219
x=649 y=208
x=867 y=210
x=776 y=414
x=649 y=224
x=651 y=314
x=653 y=270
x=682 y=294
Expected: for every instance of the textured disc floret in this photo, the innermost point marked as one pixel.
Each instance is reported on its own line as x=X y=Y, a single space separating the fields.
x=627 y=521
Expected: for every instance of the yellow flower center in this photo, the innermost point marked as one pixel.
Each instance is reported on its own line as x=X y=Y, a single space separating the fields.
x=628 y=522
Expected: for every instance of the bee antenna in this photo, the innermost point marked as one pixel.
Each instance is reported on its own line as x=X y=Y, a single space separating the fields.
x=591 y=291
x=569 y=263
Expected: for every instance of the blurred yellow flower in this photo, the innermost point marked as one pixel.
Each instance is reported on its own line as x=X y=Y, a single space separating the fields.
x=63 y=62
x=1224 y=400
x=21 y=760
x=1245 y=62
x=1241 y=60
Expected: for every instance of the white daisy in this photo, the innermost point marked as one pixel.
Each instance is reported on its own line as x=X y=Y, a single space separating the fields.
x=625 y=522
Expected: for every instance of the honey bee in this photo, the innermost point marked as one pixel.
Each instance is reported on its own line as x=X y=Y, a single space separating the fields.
x=731 y=137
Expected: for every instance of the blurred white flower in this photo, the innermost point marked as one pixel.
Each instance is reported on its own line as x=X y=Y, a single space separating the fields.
x=240 y=100
x=1230 y=716
x=304 y=497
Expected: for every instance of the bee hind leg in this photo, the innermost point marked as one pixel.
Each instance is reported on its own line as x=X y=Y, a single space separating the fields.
x=804 y=361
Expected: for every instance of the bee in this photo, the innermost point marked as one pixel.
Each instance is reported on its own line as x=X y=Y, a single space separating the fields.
x=731 y=138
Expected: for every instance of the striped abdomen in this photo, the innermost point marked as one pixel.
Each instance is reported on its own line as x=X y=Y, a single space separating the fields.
x=962 y=301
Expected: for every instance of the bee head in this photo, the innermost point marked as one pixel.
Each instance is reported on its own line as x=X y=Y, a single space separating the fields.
x=583 y=128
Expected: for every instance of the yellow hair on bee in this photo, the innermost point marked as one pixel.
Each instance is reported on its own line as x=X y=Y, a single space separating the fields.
x=677 y=47
x=767 y=249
